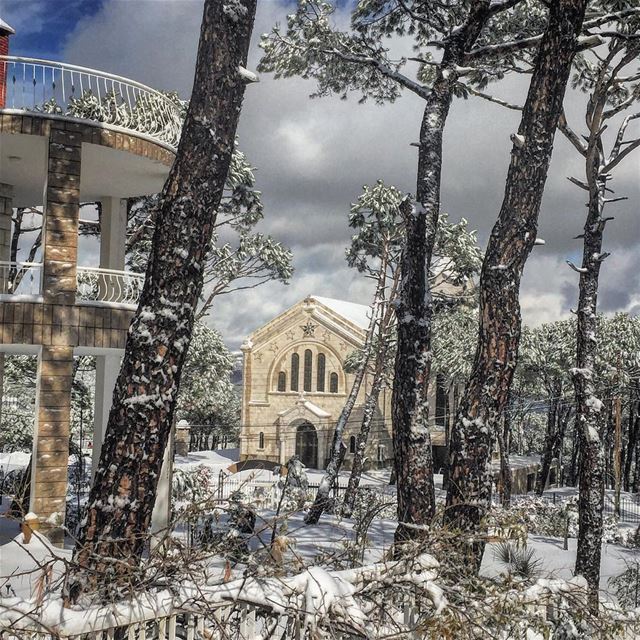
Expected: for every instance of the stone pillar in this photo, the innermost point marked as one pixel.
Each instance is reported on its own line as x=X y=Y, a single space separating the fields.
x=183 y=435
x=245 y=417
x=55 y=364
x=107 y=369
x=62 y=210
x=51 y=438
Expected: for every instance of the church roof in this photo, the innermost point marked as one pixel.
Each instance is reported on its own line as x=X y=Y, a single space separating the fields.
x=359 y=314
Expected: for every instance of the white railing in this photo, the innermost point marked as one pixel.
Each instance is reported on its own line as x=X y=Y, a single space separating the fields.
x=108 y=286
x=20 y=278
x=71 y=91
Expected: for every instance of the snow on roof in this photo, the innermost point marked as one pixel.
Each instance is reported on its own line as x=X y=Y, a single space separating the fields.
x=356 y=313
x=5 y=27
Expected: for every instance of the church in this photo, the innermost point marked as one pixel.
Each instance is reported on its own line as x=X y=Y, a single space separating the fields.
x=295 y=386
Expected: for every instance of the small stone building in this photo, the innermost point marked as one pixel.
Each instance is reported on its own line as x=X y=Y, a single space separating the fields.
x=295 y=386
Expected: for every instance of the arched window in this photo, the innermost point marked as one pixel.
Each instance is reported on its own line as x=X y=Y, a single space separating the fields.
x=333 y=383
x=352 y=444
x=261 y=440
x=282 y=381
x=295 y=368
x=320 y=373
x=308 y=361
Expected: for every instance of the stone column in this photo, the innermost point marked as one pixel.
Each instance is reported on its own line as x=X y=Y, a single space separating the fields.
x=245 y=417
x=55 y=364
x=62 y=210
x=183 y=435
x=51 y=439
x=107 y=369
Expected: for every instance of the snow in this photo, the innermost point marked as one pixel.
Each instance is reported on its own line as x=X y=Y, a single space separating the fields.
x=595 y=404
x=14 y=460
x=248 y=76
x=358 y=314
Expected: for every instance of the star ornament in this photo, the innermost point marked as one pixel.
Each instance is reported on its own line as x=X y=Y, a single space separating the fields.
x=308 y=329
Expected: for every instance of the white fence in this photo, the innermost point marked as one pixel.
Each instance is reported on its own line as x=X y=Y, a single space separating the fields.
x=108 y=286
x=20 y=278
x=87 y=94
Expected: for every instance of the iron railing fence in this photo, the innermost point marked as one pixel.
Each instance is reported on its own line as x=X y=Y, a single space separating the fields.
x=71 y=91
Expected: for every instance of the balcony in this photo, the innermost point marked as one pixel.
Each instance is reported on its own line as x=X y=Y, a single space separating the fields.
x=21 y=281
x=69 y=92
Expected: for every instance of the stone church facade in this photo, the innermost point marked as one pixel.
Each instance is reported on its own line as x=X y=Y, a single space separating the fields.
x=294 y=386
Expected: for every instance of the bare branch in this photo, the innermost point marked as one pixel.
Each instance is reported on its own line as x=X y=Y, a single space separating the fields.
x=490 y=98
x=573 y=138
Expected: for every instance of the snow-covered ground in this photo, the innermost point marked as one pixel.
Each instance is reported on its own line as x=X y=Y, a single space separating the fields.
x=14 y=460
x=309 y=544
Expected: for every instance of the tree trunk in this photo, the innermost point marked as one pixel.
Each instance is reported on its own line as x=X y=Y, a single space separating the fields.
x=451 y=411
x=413 y=461
x=634 y=427
x=504 y=442
x=115 y=529
x=549 y=441
x=363 y=436
x=511 y=241
x=589 y=409
x=338 y=448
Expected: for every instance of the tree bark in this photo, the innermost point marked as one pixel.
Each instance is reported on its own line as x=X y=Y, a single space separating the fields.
x=363 y=436
x=634 y=428
x=338 y=448
x=504 y=443
x=589 y=409
x=511 y=241
x=413 y=460
x=114 y=531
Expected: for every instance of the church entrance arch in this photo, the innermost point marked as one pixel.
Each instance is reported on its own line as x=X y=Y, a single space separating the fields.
x=307 y=445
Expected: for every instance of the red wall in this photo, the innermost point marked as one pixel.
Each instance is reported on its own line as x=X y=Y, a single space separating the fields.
x=4 y=51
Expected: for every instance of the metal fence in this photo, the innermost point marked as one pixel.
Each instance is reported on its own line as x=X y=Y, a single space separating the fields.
x=629 y=507
x=70 y=91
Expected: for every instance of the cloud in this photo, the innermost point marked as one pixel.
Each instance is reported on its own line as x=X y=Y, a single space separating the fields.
x=313 y=156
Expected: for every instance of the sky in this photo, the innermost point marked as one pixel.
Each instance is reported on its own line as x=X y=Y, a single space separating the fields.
x=314 y=156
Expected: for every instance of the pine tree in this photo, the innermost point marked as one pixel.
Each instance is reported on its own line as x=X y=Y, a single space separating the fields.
x=612 y=80
x=511 y=241
x=459 y=48
x=464 y=34
x=114 y=531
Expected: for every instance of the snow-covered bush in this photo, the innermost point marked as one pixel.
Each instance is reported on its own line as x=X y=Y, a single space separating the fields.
x=626 y=586
x=192 y=485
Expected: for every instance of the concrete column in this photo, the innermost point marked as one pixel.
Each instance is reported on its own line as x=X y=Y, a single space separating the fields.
x=113 y=235
x=113 y=232
x=161 y=516
x=107 y=369
x=6 y=211
x=51 y=438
